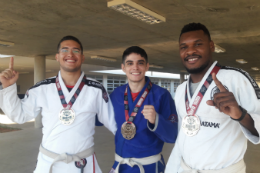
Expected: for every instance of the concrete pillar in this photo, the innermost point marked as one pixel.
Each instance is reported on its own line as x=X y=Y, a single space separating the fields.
x=181 y=78
x=105 y=81
x=39 y=75
x=160 y=82
x=172 y=88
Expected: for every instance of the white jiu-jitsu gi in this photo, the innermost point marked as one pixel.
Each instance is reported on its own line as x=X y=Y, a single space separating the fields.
x=59 y=138
x=221 y=141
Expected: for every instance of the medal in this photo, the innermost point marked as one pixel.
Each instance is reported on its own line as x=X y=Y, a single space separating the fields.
x=191 y=125
x=191 y=122
x=67 y=115
x=128 y=130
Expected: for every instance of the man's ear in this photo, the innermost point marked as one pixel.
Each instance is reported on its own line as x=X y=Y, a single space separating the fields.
x=212 y=46
x=147 y=66
x=123 y=67
x=83 y=58
x=57 y=57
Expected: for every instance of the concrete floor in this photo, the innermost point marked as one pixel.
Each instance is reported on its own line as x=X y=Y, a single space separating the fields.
x=19 y=150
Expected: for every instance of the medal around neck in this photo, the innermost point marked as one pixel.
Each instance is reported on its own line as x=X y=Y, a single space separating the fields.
x=191 y=125
x=67 y=116
x=128 y=130
x=191 y=122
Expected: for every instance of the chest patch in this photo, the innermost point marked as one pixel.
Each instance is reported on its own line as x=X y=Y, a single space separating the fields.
x=214 y=91
x=210 y=124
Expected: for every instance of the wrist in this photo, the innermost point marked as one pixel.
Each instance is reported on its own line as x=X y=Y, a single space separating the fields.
x=152 y=121
x=241 y=116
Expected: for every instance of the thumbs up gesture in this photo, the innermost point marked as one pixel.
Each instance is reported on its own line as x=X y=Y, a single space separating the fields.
x=8 y=77
x=225 y=101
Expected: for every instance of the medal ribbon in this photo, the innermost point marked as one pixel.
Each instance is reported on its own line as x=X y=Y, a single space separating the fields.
x=203 y=89
x=74 y=97
x=138 y=104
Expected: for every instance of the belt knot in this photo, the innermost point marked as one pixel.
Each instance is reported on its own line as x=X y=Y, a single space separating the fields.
x=68 y=158
x=129 y=162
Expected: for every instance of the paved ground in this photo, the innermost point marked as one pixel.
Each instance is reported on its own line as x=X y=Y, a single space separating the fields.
x=19 y=149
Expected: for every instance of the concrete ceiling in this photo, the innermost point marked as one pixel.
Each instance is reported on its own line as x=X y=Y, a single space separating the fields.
x=36 y=26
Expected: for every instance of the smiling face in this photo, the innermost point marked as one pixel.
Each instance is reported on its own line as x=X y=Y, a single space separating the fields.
x=196 y=51
x=70 y=56
x=135 y=67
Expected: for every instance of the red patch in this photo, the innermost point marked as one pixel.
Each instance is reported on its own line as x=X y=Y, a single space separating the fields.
x=78 y=164
x=173 y=118
x=105 y=96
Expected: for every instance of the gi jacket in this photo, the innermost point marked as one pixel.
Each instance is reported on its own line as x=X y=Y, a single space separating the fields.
x=43 y=97
x=220 y=141
x=149 y=139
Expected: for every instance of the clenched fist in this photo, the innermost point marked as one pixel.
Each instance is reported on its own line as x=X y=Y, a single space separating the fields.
x=8 y=77
x=149 y=113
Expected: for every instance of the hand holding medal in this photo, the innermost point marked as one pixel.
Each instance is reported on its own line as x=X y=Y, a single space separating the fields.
x=225 y=101
x=149 y=113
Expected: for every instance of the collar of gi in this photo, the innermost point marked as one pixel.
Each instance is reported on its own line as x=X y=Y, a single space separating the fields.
x=132 y=104
x=191 y=98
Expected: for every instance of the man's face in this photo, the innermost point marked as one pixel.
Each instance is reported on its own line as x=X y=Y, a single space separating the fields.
x=135 y=67
x=196 y=51
x=70 y=56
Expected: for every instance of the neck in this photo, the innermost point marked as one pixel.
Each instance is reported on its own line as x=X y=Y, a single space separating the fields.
x=136 y=86
x=195 y=78
x=70 y=78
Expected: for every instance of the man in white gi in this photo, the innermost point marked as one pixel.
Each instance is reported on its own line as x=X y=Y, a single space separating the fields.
x=218 y=109
x=68 y=103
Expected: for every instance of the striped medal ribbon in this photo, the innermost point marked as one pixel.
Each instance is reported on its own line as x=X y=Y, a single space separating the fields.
x=128 y=128
x=191 y=122
x=67 y=115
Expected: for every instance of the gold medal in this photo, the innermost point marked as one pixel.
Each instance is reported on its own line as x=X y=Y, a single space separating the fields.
x=128 y=130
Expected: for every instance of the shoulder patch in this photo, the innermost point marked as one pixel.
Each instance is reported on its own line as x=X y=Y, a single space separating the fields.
x=215 y=90
x=173 y=118
x=251 y=80
x=44 y=82
x=98 y=85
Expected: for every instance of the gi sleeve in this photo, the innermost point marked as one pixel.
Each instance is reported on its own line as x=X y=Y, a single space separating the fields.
x=105 y=111
x=248 y=96
x=174 y=162
x=19 y=111
x=166 y=123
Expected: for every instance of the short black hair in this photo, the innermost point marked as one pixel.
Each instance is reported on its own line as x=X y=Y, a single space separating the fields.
x=195 y=27
x=69 y=37
x=134 y=49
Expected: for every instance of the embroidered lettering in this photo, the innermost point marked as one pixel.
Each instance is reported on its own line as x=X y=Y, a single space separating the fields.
x=210 y=124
